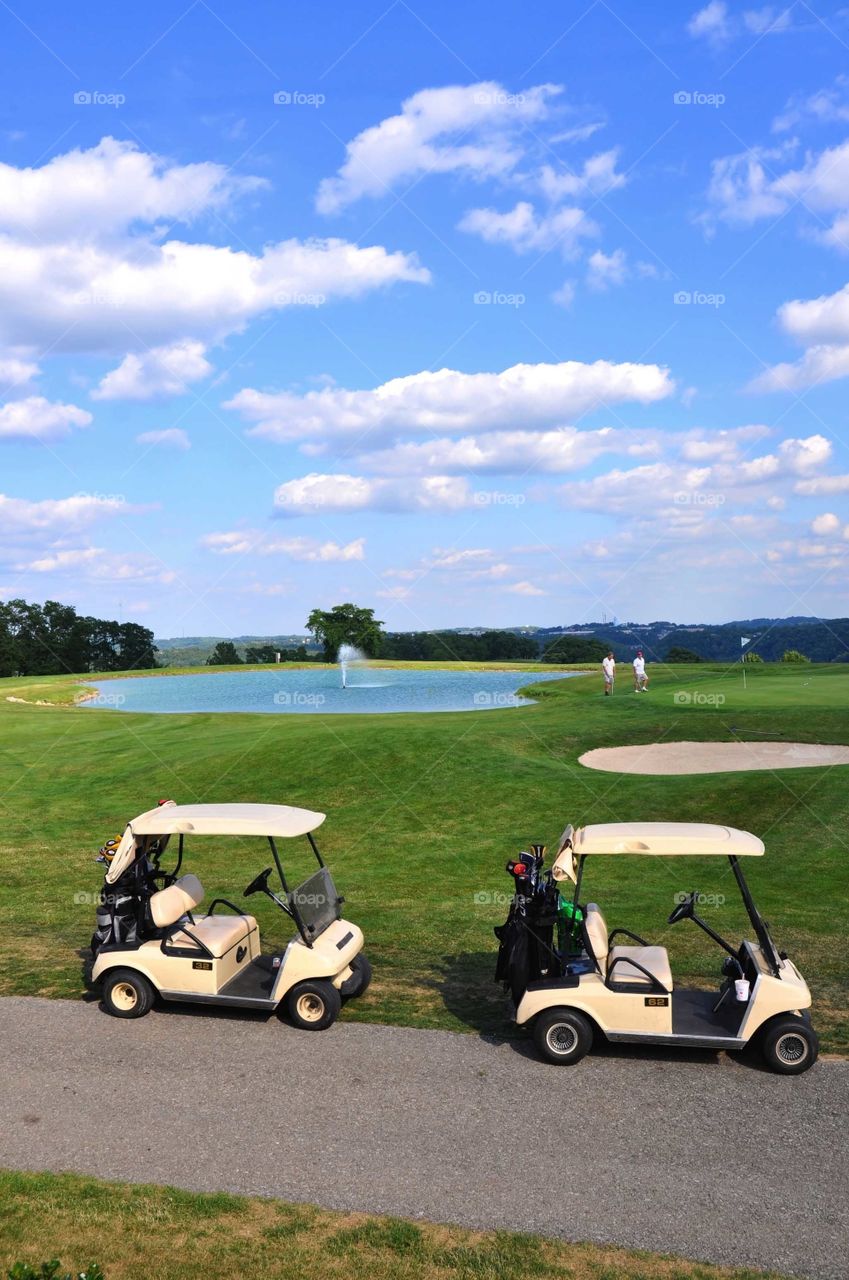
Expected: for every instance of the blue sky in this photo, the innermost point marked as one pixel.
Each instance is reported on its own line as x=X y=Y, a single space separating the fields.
x=474 y=314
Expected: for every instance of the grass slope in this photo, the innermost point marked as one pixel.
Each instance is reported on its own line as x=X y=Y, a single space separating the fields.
x=160 y=1233
x=424 y=810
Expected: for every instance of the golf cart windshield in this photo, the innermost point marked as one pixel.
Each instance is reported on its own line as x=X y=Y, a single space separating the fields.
x=315 y=903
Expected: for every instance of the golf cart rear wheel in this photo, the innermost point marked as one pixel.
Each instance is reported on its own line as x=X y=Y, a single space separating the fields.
x=126 y=994
x=563 y=1036
x=359 y=980
x=313 y=1006
x=789 y=1046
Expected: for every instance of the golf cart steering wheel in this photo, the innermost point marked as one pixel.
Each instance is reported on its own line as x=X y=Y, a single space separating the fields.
x=260 y=883
x=684 y=910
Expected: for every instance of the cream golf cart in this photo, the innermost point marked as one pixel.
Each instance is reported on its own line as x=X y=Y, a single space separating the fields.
x=151 y=939
x=572 y=979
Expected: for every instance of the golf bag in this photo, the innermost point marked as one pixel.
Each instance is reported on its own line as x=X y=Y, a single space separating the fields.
x=122 y=916
x=528 y=951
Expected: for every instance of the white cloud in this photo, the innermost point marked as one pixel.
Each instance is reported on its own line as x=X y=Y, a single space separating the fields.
x=598 y=176
x=711 y=22
x=753 y=184
x=252 y=541
x=18 y=516
x=169 y=438
x=15 y=370
x=85 y=264
x=162 y=371
x=826 y=523
x=524 y=589
x=36 y=418
x=820 y=486
x=327 y=494
x=465 y=129
x=564 y=449
x=448 y=400
x=96 y=564
x=823 y=323
x=826 y=106
x=54 y=560
x=604 y=269
x=565 y=295
x=524 y=230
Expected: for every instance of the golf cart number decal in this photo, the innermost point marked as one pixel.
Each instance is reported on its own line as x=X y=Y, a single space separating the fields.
x=201 y=964
x=657 y=1002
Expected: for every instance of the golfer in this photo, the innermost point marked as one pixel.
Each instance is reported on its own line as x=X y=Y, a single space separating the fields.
x=608 y=667
x=641 y=680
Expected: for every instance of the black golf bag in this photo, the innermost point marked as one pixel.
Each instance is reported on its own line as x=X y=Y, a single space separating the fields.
x=123 y=914
x=528 y=950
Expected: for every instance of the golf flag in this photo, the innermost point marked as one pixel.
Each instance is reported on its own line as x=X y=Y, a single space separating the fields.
x=744 y=640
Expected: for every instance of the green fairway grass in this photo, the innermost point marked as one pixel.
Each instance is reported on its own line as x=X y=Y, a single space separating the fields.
x=424 y=811
x=160 y=1233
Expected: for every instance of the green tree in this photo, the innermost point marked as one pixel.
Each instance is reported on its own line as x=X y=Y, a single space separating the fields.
x=751 y=656
x=678 y=654
x=261 y=653
x=793 y=655
x=346 y=624
x=225 y=654
x=576 y=649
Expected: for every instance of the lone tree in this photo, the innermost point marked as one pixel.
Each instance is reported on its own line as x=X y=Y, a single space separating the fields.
x=346 y=624
x=225 y=654
x=679 y=654
x=793 y=655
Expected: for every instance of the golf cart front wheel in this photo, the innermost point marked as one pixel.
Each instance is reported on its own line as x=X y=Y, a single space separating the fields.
x=563 y=1036
x=359 y=980
x=126 y=994
x=313 y=1006
x=789 y=1046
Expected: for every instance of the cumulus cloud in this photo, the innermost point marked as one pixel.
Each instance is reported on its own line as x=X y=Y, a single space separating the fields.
x=85 y=264
x=825 y=106
x=448 y=400
x=253 y=541
x=57 y=515
x=464 y=129
x=328 y=494
x=98 y=565
x=16 y=370
x=826 y=523
x=711 y=23
x=823 y=323
x=169 y=438
x=716 y=24
x=524 y=230
x=604 y=270
x=35 y=418
x=162 y=371
x=564 y=449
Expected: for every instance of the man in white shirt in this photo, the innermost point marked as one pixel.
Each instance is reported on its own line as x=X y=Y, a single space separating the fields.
x=608 y=667
x=641 y=680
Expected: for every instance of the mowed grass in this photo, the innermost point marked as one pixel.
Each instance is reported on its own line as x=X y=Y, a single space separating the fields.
x=424 y=811
x=160 y=1233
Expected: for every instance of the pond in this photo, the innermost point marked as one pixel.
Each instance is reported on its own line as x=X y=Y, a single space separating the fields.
x=299 y=691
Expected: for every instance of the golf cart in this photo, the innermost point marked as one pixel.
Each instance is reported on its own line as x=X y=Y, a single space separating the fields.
x=571 y=979
x=151 y=940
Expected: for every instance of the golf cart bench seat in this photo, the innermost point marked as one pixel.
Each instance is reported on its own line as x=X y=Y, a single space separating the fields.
x=219 y=934
x=615 y=963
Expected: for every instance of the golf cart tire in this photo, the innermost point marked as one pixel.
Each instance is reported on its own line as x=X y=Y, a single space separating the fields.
x=313 y=1005
x=126 y=993
x=789 y=1046
x=359 y=980
x=563 y=1036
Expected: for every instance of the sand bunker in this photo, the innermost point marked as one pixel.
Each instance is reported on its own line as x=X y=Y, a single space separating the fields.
x=713 y=757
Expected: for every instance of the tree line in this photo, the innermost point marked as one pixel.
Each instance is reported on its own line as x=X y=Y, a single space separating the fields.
x=53 y=639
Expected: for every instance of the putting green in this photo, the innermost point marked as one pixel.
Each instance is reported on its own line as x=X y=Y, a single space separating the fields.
x=423 y=813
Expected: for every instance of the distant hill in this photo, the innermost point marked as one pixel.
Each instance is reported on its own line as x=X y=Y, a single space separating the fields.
x=820 y=639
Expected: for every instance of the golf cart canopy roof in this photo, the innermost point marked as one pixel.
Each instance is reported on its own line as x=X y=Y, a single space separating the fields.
x=653 y=839
x=226 y=820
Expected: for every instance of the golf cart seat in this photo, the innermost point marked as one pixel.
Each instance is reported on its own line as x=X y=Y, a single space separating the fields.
x=619 y=964
x=217 y=933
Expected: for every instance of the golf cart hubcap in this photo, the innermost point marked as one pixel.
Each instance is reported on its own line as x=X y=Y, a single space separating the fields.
x=310 y=1007
x=562 y=1038
x=124 y=996
x=792 y=1048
